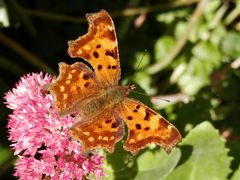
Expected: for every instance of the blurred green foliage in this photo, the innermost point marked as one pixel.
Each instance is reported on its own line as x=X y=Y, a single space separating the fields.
x=192 y=59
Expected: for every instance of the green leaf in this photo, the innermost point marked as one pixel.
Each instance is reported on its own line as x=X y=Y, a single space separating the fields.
x=5 y=154
x=151 y=164
x=4 y=18
x=198 y=32
x=144 y=80
x=210 y=10
x=195 y=76
x=206 y=58
x=142 y=60
x=217 y=35
x=163 y=46
x=171 y=16
x=154 y=165
x=231 y=44
x=180 y=28
x=120 y=165
x=206 y=51
x=236 y=175
x=204 y=155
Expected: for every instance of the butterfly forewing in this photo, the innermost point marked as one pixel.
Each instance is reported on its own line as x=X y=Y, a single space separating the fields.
x=74 y=83
x=99 y=47
x=146 y=126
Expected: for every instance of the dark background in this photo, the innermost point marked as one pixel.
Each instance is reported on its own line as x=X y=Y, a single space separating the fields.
x=207 y=51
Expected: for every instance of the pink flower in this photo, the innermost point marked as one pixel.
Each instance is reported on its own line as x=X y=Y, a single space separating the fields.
x=40 y=137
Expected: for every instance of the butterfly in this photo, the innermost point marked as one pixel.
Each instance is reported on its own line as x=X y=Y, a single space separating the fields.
x=101 y=103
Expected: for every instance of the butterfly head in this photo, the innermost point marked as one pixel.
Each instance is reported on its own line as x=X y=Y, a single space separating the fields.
x=129 y=88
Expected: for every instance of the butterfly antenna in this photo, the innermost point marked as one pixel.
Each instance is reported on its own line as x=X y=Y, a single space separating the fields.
x=166 y=100
x=133 y=87
x=145 y=52
x=136 y=92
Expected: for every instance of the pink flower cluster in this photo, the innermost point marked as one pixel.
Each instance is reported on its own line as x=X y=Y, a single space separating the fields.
x=40 y=137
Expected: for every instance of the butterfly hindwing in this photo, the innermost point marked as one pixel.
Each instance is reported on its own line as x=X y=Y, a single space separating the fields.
x=104 y=131
x=146 y=126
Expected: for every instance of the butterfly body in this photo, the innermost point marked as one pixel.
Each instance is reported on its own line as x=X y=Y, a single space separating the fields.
x=104 y=99
x=101 y=103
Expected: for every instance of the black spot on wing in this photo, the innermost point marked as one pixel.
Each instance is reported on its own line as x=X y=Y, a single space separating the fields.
x=147 y=115
x=112 y=53
x=129 y=117
x=138 y=126
x=86 y=77
x=99 y=67
x=95 y=54
x=86 y=84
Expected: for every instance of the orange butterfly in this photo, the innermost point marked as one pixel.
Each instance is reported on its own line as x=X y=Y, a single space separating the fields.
x=101 y=103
